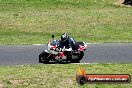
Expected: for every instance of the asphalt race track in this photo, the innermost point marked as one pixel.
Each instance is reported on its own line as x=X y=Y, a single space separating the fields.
x=95 y=53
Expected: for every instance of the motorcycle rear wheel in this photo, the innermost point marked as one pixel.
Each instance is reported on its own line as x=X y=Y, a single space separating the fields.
x=80 y=56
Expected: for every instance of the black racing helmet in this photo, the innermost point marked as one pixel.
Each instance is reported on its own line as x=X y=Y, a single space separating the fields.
x=64 y=37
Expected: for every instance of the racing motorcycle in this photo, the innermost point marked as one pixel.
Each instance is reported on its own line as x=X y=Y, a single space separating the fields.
x=55 y=53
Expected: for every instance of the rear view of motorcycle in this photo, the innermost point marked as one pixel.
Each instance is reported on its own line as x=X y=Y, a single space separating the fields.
x=72 y=54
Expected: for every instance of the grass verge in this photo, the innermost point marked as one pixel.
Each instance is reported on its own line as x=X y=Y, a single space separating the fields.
x=58 y=75
x=31 y=21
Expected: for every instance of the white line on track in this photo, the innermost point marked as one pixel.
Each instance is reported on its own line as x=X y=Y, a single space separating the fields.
x=38 y=44
x=84 y=63
x=90 y=63
x=80 y=63
x=92 y=43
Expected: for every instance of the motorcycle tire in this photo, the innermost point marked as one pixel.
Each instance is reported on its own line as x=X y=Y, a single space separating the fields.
x=44 y=57
x=80 y=56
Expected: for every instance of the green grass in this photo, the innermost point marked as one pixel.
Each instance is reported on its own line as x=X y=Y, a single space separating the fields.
x=33 y=21
x=58 y=75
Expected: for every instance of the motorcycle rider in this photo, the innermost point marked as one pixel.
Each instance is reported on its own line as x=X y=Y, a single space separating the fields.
x=67 y=42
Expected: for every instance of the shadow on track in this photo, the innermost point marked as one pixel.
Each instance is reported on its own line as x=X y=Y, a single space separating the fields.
x=57 y=62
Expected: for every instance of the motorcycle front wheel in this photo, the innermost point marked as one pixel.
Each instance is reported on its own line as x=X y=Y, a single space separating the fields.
x=44 y=57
